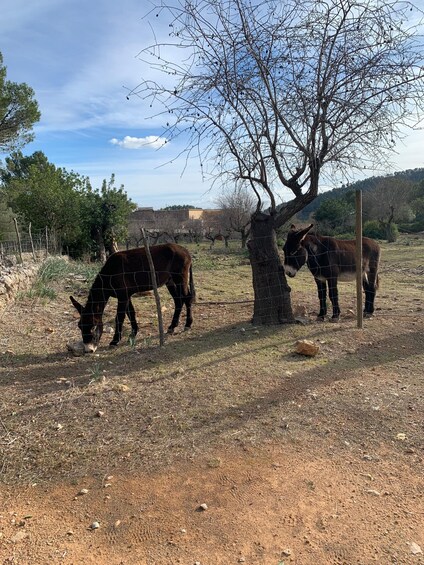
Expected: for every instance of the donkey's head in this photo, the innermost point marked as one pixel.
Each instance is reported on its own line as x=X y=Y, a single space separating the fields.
x=295 y=254
x=90 y=324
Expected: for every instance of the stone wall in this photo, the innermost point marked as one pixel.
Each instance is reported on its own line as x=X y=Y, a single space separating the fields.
x=15 y=278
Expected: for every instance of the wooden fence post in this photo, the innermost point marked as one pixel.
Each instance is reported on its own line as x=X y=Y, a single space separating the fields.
x=32 y=243
x=47 y=241
x=18 y=235
x=155 y=288
x=358 y=201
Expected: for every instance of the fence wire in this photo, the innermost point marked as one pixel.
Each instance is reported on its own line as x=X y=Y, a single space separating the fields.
x=38 y=245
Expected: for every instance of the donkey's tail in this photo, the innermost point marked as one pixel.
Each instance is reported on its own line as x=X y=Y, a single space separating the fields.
x=192 y=290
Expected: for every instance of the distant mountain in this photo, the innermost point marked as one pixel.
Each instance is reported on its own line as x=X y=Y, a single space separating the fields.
x=414 y=175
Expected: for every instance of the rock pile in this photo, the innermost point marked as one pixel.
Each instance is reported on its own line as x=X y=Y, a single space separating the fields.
x=15 y=278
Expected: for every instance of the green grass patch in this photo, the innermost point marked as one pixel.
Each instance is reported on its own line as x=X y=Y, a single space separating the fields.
x=39 y=290
x=54 y=271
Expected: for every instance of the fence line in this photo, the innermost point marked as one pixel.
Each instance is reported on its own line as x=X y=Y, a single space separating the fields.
x=35 y=245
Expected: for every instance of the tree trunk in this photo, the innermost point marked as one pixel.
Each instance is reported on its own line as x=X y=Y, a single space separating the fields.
x=244 y=237
x=272 y=303
x=101 y=247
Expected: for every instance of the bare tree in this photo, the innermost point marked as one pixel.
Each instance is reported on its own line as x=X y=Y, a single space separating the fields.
x=278 y=94
x=194 y=230
x=169 y=225
x=238 y=205
x=388 y=203
x=216 y=226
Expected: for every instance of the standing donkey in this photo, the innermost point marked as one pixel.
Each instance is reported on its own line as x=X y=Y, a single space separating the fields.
x=330 y=260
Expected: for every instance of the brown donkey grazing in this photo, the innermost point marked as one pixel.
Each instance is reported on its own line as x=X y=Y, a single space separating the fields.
x=330 y=260
x=126 y=273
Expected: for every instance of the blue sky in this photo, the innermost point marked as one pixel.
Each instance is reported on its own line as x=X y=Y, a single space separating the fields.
x=80 y=57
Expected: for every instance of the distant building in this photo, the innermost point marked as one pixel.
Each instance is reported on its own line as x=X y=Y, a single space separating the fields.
x=172 y=222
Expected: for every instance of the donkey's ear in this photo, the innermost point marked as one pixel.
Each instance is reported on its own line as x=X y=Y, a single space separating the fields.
x=76 y=304
x=292 y=227
x=302 y=233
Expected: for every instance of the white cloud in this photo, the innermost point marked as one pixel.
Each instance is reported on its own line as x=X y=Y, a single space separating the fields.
x=150 y=141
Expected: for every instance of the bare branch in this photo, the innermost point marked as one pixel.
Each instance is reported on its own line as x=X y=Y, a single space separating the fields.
x=275 y=94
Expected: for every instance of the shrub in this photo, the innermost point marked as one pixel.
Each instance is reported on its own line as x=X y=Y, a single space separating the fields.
x=379 y=230
x=373 y=229
x=392 y=233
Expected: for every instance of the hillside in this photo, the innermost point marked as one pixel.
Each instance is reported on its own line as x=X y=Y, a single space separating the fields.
x=414 y=175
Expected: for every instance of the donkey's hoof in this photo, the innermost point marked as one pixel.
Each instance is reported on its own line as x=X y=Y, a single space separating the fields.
x=113 y=344
x=187 y=328
x=320 y=318
x=335 y=319
x=367 y=314
x=170 y=331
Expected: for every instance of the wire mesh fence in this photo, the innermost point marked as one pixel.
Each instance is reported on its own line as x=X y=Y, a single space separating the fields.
x=30 y=246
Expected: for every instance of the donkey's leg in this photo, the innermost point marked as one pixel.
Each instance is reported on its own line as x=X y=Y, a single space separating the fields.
x=322 y=295
x=334 y=297
x=119 y=320
x=131 y=316
x=175 y=290
x=188 y=301
x=369 y=285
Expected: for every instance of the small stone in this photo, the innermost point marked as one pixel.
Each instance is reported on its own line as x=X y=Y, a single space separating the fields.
x=20 y=536
x=286 y=552
x=94 y=526
x=99 y=413
x=83 y=491
x=401 y=437
x=202 y=508
x=373 y=492
x=307 y=347
x=415 y=548
x=58 y=427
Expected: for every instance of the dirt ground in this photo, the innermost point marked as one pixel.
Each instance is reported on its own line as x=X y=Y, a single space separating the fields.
x=225 y=446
